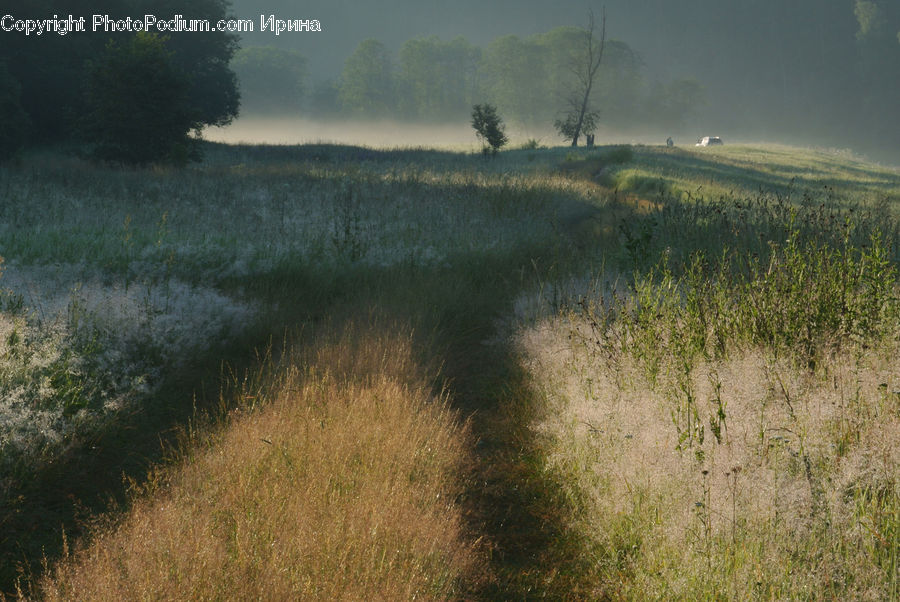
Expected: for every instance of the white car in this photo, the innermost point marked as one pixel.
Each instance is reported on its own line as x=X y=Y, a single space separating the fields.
x=709 y=141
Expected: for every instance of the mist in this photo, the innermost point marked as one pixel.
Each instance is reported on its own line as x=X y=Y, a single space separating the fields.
x=305 y=130
x=799 y=73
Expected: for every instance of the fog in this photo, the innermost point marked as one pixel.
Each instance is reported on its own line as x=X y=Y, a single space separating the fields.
x=380 y=134
x=803 y=71
x=389 y=133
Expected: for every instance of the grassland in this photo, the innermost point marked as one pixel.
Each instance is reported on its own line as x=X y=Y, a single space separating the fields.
x=343 y=372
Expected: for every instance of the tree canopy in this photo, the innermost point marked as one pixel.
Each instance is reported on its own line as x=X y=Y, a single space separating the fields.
x=367 y=84
x=271 y=79
x=137 y=109
x=57 y=76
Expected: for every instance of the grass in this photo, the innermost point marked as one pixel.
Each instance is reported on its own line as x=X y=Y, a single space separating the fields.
x=727 y=417
x=482 y=374
x=285 y=502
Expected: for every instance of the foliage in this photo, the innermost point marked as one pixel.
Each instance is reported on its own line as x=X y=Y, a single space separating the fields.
x=212 y=90
x=52 y=70
x=523 y=77
x=12 y=115
x=367 y=83
x=489 y=128
x=569 y=128
x=324 y=98
x=438 y=79
x=138 y=109
x=271 y=79
x=516 y=73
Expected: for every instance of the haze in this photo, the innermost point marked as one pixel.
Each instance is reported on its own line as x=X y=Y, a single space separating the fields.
x=802 y=71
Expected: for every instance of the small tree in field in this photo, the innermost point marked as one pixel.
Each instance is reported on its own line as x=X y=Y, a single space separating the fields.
x=489 y=128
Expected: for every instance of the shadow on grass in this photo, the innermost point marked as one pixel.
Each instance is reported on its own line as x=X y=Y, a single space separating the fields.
x=511 y=501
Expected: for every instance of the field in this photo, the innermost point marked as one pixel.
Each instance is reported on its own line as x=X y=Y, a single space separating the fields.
x=328 y=371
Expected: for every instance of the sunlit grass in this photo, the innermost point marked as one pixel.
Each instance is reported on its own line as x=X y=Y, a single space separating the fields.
x=339 y=480
x=727 y=419
x=737 y=317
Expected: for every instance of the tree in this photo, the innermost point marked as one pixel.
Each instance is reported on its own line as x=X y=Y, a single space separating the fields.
x=438 y=79
x=12 y=115
x=205 y=57
x=138 y=104
x=578 y=118
x=489 y=128
x=367 y=86
x=52 y=69
x=324 y=98
x=517 y=75
x=271 y=79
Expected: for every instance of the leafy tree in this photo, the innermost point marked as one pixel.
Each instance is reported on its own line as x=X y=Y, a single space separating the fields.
x=212 y=91
x=573 y=124
x=271 y=79
x=51 y=69
x=324 y=99
x=12 y=115
x=438 y=79
x=138 y=108
x=367 y=86
x=517 y=72
x=869 y=17
x=489 y=128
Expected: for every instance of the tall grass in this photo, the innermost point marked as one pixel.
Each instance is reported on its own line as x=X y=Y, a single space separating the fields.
x=172 y=266
x=725 y=394
x=727 y=417
x=339 y=480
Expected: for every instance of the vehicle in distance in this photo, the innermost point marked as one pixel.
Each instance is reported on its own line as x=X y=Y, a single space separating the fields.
x=709 y=141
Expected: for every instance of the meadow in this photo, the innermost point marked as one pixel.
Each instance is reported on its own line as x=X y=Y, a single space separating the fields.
x=331 y=371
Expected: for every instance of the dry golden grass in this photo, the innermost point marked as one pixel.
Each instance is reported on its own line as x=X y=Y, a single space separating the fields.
x=343 y=487
x=801 y=499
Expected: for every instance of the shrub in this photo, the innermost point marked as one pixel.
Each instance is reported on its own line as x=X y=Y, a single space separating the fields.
x=489 y=128
x=14 y=119
x=138 y=104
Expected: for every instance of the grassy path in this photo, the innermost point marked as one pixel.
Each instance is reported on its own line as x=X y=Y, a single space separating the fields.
x=512 y=499
x=510 y=235
x=513 y=504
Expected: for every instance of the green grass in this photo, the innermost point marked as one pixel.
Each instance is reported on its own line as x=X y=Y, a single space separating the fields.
x=718 y=388
x=657 y=280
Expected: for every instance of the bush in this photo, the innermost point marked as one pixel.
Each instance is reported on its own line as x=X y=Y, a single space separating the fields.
x=618 y=155
x=138 y=104
x=489 y=128
x=12 y=115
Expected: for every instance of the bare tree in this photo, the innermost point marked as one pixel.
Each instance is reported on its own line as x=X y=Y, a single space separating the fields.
x=578 y=117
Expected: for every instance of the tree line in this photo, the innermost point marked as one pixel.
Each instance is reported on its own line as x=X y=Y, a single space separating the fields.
x=139 y=97
x=128 y=97
x=429 y=79
x=831 y=70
